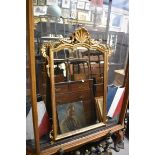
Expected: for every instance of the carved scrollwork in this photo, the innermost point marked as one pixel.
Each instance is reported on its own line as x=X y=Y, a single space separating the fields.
x=45 y=55
x=51 y=137
x=80 y=35
x=79 y=38
x=43 y=51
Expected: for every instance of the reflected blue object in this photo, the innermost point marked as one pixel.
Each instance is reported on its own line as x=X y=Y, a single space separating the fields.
x=54 y=10
x=110 y=96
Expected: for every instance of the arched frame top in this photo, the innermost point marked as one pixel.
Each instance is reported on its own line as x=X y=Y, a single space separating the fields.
x=79 y=38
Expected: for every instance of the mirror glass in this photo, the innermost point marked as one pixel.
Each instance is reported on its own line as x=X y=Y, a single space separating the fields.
x=78 y=76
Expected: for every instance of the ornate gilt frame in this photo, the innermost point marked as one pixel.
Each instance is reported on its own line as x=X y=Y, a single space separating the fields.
x=79 y=38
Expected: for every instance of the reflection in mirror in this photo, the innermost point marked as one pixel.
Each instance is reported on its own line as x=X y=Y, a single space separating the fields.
x=74 y=90
x=118 y=38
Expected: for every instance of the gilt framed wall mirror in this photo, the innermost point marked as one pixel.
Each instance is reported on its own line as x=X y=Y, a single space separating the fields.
x=74 y=83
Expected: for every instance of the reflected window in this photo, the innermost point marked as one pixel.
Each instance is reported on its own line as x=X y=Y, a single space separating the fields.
x=116 y=20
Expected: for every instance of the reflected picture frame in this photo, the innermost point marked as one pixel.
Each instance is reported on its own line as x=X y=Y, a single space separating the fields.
x=87 y=6
x=39 y=10
x=81 y=5
x=84 y=16
x=51 y=2
x=78 y=119
x=35 y=2
x=81 y=16
x=73 y=6
x=66 y=4
x=41 y=2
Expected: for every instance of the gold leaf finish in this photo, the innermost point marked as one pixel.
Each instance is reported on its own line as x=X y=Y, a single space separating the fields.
x=79 y=38
x=81 y=35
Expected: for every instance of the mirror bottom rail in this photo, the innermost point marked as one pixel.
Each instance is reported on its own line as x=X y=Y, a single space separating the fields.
x=75 y=142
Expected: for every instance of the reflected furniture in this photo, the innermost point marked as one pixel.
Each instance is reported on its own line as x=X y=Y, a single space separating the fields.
x=69 y=91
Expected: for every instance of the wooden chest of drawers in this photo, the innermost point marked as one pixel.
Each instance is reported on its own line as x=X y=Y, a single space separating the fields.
x=73 y=86
x=74 y=91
